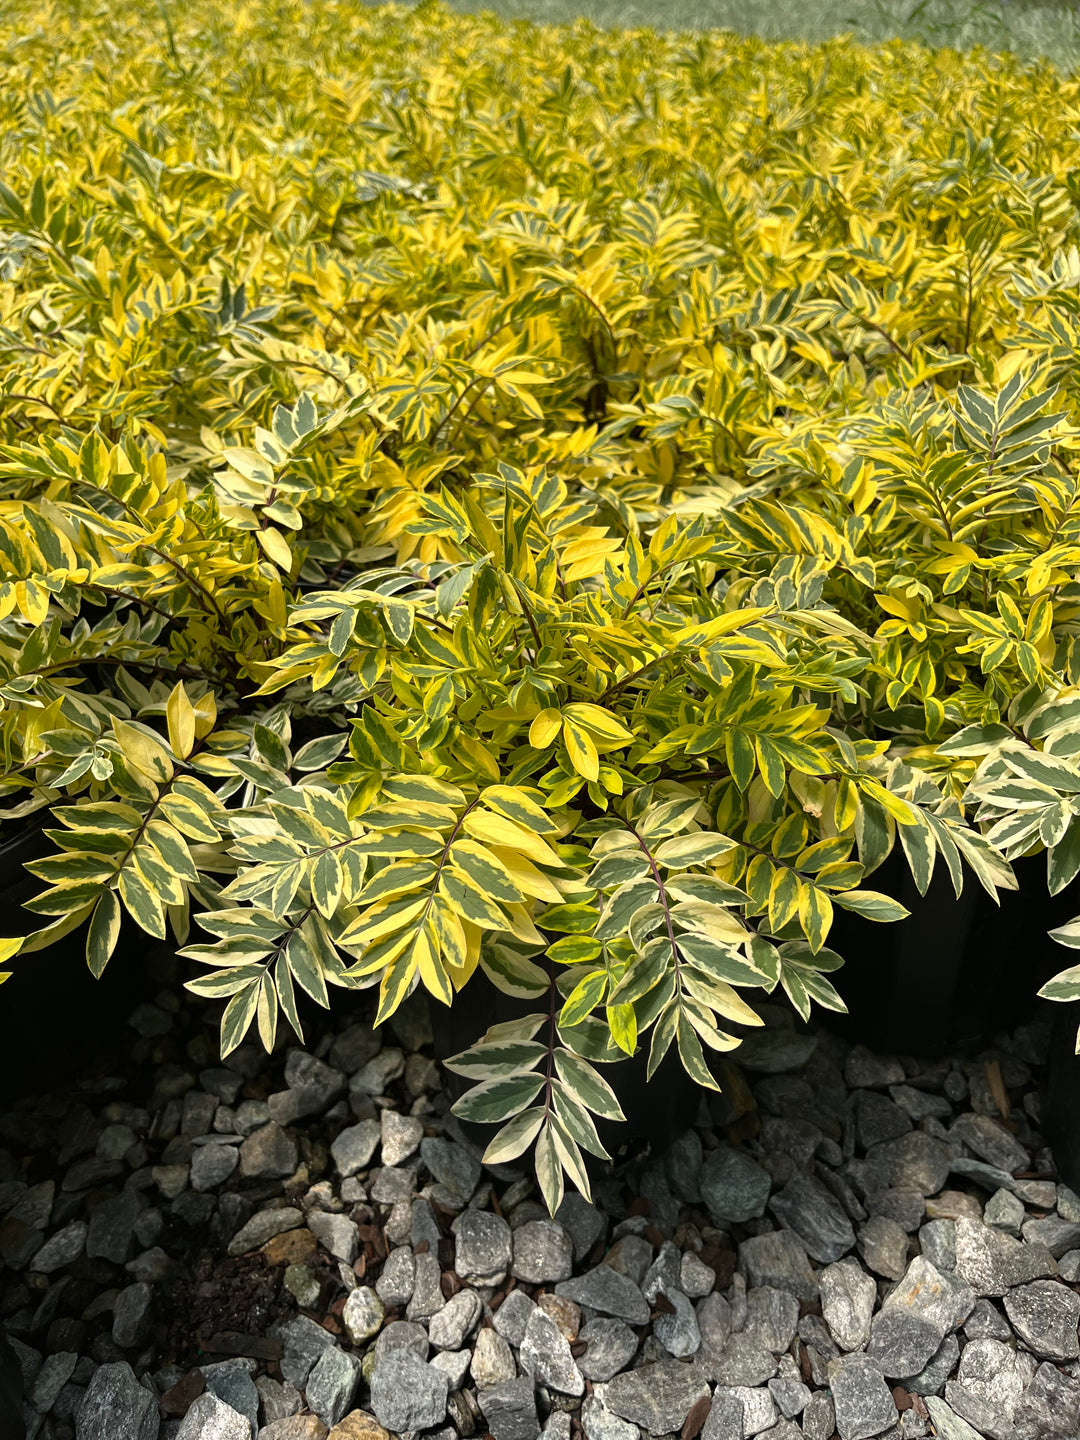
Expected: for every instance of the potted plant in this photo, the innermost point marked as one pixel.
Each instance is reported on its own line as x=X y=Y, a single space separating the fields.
x=593 y=594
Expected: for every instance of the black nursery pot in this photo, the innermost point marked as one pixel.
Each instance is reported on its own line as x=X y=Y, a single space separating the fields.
x=656 y=1110
x=1061 y=1095
x=957 y=970
x=55 y=1018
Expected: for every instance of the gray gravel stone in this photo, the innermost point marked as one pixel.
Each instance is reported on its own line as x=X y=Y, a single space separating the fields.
x=482 y=1248
x=657 y=1397
x=848 y=1296
x=696 y=1279
x=865 y=1069
x=268 y=1154
x=112 y=1227
x=211 y=1419
x=985 y=1322
x=452 y=1165
x=448 y=1328
x=788 y=1390
x=805 y=1206
x=303 y=1343
x=131 y=1315
x=211 y=1165
x=611 y=1345
x=678 y=1333
x=332 y=1385
x=775 y=1052
x=877 y=1118
x=454 y=1364
x=583 y=1222
x=742 y=1361
x=264 y=1226
x=937 y=1239
x=883 y=1244
x=492 y=1360
x=336 y=1234
x=1045 y=1315
x=1049 y=1407
x=757 y=1405
x=512 y=1316
x=947 y=1424
x=510 y=1410
x=395 y=1285
x=725 y=1418
x=231 y=1381
x=992 y=1263
x=363 y=1314
x=402 y=1335
x=989 y=1382
x=54 y=1374
x=61 y=1249
x=991 y=1142
x=354 y=1147
x=542 y=1252
x=115 y=1405
x=545 y=1356
x=600 y=1424
x=605 y=1290
x=932 y=1377
x=771 y=1317
x=915 y=1161
x=778 y=1258
x=1004 y=1212
x=401 y=1135
x=864 y=1404
x=819 y=1417
x=407 y=1393
x=427 y=1298
x=734 y=1187
x=1059 y=1236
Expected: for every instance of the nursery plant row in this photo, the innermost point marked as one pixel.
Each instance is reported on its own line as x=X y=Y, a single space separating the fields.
x=551 y=503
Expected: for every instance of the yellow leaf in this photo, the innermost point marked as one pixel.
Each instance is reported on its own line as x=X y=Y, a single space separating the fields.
x=497 y=830
x=275 y=546
x=581 y=750
x=180 y=716
x=604 y=728
x=545 y=729
x=146 y=755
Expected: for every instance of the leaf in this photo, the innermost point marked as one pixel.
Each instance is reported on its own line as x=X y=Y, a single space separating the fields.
x=587 y=1086
x=103 y=933
x=697 y=848
x=872 y=905
x=514 y=1138
x=549 y=1173
x=581 y=750
x=180 y=716
x=544 y=729
x=584 y=998
x=239 y=1013
x=494 y=1101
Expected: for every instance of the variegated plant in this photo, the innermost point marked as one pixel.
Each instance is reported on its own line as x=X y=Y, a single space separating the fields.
x=466 y=506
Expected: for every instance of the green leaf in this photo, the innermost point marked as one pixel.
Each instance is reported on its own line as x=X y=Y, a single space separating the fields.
x=239 y=1013
x=515 y=1137
x=103 y=933
x=872 y=905
x=549 y=1170
x=487 y=1060
x=584 y=998
x=1064 y=986
x=587 y=1086
x=494 y=1101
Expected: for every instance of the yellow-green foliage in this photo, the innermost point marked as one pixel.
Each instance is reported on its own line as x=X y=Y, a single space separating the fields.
x=540 y=499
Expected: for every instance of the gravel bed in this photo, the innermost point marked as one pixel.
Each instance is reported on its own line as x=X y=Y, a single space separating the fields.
x=844 y=1244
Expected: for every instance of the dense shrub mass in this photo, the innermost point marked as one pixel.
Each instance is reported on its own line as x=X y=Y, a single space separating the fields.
x=562 y=502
